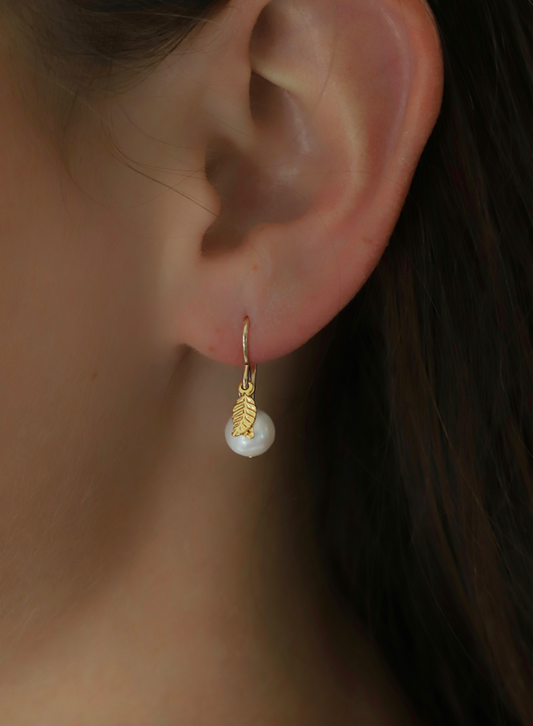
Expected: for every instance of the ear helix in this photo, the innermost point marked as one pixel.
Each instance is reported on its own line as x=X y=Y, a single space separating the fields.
x=249 y=431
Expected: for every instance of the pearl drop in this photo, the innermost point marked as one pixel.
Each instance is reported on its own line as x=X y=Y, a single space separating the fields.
x=264 y=435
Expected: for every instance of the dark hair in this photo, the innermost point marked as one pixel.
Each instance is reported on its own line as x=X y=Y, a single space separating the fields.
x=75 y=51
x=421 y=451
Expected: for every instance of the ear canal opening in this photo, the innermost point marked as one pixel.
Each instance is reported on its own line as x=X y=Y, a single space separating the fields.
x=264 y=99
x=261 y=185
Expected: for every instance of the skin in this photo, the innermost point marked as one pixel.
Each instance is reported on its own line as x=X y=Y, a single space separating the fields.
x=148 y=574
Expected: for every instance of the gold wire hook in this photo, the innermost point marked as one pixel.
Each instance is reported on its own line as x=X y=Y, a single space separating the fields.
x=247 y=365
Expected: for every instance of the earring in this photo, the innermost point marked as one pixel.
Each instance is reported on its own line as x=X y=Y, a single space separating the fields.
x=249 y=431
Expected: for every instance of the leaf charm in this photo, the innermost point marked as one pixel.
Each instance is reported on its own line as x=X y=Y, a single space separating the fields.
x=244 y=413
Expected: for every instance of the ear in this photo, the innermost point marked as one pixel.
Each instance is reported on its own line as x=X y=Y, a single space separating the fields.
x=306 y=120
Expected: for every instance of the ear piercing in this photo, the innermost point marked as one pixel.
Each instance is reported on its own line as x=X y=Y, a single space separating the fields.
x=249 y=431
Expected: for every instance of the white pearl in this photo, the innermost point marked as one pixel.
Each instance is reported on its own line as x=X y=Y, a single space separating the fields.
x=264 y=435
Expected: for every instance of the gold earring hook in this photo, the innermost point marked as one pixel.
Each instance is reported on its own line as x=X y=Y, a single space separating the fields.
x=247 y=366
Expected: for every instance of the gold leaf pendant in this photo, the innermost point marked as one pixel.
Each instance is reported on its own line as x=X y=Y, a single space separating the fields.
x=244 y=412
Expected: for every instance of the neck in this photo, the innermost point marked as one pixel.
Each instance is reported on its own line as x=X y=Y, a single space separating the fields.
x=218 y=605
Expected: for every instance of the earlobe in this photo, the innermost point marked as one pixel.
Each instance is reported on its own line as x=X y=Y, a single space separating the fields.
x=314 y=168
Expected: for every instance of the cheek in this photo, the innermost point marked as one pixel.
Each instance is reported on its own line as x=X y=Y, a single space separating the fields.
x=78 y=388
